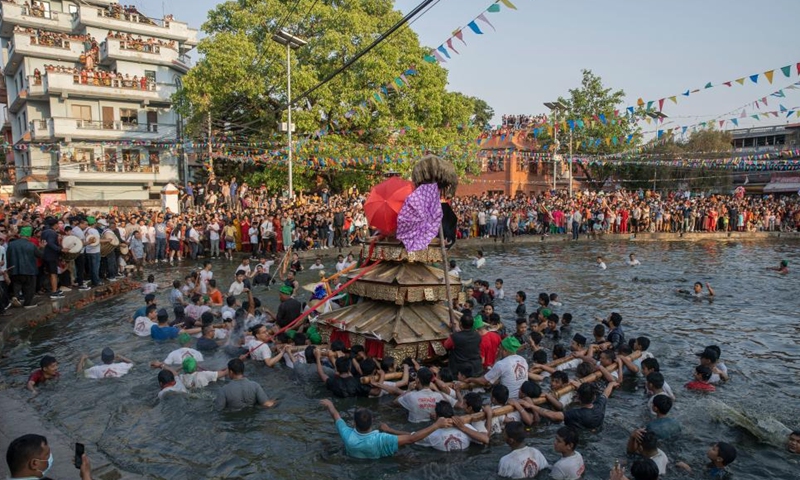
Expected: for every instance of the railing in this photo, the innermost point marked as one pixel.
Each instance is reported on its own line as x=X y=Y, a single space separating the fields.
x=131 y=17
x=140 y=47
x=39 y=12
x=115 y=82
x=54 y=42
x=35 y=80
x=109 y=166
x=115 y=125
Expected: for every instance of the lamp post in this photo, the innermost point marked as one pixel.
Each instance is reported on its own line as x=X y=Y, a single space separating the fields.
x=292 y=43
x=555 y=107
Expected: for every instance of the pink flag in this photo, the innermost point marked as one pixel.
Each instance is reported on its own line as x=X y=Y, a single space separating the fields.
x=482 y=17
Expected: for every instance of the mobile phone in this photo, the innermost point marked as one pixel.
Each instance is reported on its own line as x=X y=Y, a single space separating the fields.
x=79 y=449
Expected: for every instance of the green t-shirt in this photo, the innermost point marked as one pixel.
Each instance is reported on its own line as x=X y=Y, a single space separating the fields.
x=371 y=445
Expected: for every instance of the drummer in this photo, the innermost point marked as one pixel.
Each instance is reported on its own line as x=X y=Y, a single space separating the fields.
x=78 y=231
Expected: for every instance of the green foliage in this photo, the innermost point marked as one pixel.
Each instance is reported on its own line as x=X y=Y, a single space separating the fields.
x=482 y=113
x=241 y=81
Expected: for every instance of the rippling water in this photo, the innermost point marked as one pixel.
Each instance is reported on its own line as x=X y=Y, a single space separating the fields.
x=753 y=318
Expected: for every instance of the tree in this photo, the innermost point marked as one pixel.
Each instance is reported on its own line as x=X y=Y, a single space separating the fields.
x=482 y=114
x=241 y=82
x=591 y=133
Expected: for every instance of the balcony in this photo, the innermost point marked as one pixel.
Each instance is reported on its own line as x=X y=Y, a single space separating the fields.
x=74 y=85
x=77 y=129
x=113 y=49
x=136 y=24
x=41 y=130
x=12 y=15
x=23 y=45
x=100 y=171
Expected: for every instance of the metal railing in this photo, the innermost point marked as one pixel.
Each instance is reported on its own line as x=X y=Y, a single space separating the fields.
x=53 y=42
x=39 y=12
x=115 y=125
x=131 y=17
x=101 y=165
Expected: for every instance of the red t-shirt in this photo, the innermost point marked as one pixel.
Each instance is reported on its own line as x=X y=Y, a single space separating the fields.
x=701 y=386
x=489 y=344
x=37 y=377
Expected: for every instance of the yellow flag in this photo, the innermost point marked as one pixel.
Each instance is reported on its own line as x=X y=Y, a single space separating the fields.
x=647 y=119
x=608 y=141
x=508 y=4
x=740 y=81
x=769 y=75
x=640 y=102
x=674 y=99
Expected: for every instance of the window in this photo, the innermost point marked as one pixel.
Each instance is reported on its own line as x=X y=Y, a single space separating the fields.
x=151 y=76
x=129 y=116
x=130 y=158
x=82 y=112
x=84 y=155
x=72 y=8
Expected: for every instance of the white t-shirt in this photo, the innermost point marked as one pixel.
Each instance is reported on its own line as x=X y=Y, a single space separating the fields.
x=177 y=388
x=176 y=357
x=341 y=265
x=602 y=265
x=715 y=378
x=213 y=231
x=634 y=262
x=661 y=460
x=142 y=326
x=205 y=276
x=567 y=399
x=298 y=358
x=572 y=364
x=236 y=288
x=258 y=350
x=447 y=440
x=479 y=262
x=198 y=379
x=246 y=268
x=421 y=403
x=525 y=462
x=91 y=231
x=316 y=266
x=113 y=370
x=498 y=422
x=568 y=468
x=512 y=372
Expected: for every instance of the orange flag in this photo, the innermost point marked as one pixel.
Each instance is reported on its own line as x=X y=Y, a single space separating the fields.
x=769 y=75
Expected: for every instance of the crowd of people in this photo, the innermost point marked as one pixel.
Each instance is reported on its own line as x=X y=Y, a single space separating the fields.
x=129 y=42
x=487 y=360
x=522 y=122
x=103 y=78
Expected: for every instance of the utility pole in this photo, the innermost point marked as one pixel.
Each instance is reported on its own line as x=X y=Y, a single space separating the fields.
x=289 y=115
x=570 y=162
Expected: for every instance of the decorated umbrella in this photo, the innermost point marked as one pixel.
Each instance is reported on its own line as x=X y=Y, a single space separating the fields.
x=384 y=203
x=420 y=218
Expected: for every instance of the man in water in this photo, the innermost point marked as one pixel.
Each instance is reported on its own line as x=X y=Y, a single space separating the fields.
x=241 y=392
x=480 y=260
x=363 y=442
x=794 y=442
x=783 y=267
x=633 y=261
x=697 y=290
x=289 y=309
x=109 y=369
x=523 y=461
x=48 y=371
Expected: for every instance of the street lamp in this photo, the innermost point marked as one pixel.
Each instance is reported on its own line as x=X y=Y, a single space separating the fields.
x=556 y=107
x=658 y=117
x=292 y=43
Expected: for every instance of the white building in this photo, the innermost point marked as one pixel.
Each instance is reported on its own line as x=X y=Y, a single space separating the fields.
x=90 y=132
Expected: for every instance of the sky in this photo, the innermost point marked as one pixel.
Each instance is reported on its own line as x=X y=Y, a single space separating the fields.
x=650 y=49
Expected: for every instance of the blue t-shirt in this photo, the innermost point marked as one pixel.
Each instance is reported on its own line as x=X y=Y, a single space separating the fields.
x=664 y=428
x=163 y=333
x=141 y=312
x=371 y=445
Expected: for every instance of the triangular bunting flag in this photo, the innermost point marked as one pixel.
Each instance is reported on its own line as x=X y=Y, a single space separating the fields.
x=444 y=51
x=755 y=116
x=450 y=45
x=754 y=78
x=377 y=97
x=660 y=104
x=764 y=101
x=439 y=58
x=789 y=114
x=650 y=105
x=798 y=68
x=721 y=123
x=459 y=35
x=508 y=4
x=735 y=121
x=787 y=71
x=686 y=93
x=630 y=110
x=769 y=75
x=674 y=99
x=744 y=114
x=429 y=58
x=474 y=27
x=640 y=102
x=728 y=84
x=493 y=8
x=482 y=18
x=779 y=94
x=398 y=81
x=683 y=130
x=740 y=81
x=708 y=85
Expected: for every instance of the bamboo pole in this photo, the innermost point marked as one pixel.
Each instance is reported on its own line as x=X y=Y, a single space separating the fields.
x=445 y=266
x=506 y=409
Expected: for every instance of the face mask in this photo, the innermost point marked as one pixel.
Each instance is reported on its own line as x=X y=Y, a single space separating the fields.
x=49 y=465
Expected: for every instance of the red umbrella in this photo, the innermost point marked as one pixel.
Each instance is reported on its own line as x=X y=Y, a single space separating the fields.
x=384 y=203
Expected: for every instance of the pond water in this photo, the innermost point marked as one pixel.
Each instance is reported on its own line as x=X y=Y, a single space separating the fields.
x=753 y=319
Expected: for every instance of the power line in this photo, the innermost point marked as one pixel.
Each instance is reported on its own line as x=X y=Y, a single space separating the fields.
x=413 y=13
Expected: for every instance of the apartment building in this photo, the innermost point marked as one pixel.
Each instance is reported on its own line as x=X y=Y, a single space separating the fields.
x=89 y=94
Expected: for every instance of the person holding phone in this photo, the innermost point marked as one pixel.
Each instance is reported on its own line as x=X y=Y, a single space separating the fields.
x=29 y=456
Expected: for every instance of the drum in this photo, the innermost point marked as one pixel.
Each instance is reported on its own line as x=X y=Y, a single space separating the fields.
x=123 y=249
x=74 y=245
x=111 y=245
